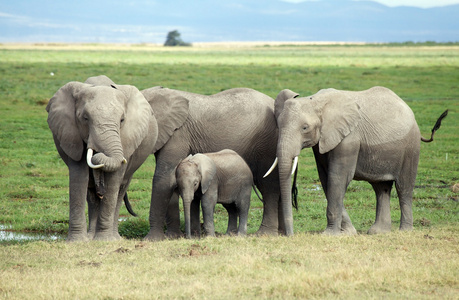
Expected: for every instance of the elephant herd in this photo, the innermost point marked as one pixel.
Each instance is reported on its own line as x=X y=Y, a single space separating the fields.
x=104 y=132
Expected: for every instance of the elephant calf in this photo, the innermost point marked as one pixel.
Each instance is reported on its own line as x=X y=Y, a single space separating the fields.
x=223 y=177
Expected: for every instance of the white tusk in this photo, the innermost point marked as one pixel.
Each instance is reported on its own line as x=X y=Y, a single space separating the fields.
x=88 y=160
x=295 y=163
x=272 y=168
x=124 y=161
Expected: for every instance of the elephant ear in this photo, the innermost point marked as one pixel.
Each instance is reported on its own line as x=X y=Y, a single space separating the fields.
x=340 y=116
x=62 y=119
x=283 y=96
x=170 y=110
x=207 y=169
x=137 y=116
x=100 y=80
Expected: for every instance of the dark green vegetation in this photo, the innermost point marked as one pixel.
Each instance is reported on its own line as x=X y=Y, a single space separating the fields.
x=34 y=181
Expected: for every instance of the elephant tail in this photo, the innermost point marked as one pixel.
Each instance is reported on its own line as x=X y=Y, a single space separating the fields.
x=436 y=127
x=295 y=190
x=128 y=205
x=256 y=192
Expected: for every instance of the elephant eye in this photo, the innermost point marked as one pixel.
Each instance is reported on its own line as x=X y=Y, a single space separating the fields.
x=305 y=127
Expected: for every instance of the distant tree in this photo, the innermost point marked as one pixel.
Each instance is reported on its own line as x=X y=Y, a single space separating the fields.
x=173 y=39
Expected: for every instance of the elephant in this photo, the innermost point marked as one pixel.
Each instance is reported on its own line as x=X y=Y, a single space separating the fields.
x=210 y=178
x=369 y=135
x=240 y=119
x=103 y=132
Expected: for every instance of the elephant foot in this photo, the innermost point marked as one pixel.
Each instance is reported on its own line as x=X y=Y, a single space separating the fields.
x=379 y=228
x=332 y=231
x=406 y=227
x=174 y=234
x=91 y=235
x=266 y=230
x=348 y=230
x=154 y=236
x=106 y=237
x=117 y=235
x=77 y=238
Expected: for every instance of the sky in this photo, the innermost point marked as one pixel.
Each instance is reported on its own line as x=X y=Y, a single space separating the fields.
x=394 y=3
x=418 y=3
x=149 y=21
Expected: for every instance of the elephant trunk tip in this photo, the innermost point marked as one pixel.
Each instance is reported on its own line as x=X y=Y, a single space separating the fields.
x=109 y=164
x=89 y=160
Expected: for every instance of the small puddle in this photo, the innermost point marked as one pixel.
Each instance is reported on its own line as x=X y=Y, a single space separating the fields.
x=7 y=234
x=315 y=187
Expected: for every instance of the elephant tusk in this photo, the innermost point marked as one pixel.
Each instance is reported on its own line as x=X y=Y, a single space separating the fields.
x=124 y=160
x=88 y=160
x=295 y=163
x=272 y=168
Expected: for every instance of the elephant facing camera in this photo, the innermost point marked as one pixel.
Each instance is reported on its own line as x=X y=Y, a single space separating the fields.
x=207 y=179
x=103 y=132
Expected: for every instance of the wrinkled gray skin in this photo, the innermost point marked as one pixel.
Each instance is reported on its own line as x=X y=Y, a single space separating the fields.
x=219 y=177
x=239 y=119
x=117 y=122
x=369 y=135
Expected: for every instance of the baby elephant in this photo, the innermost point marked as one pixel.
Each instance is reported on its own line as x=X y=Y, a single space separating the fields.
x=211 y=178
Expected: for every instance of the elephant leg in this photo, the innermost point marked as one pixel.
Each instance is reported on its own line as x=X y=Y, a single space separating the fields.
x=232 y=218
x=382 y=222
x=273 y=218
x=243 y=210
x=93 y=212
x=108 y=204
x=208 y=208
x=342 y=162
x=122 y=192
x=78 y=189
x=173 y=218
x=161 y=195
x=196 y=216
x=116 y=216
x=346 y=224
x=405 y=196
x=322 y=169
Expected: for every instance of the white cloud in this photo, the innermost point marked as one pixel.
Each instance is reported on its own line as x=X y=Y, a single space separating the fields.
x=393 y=3
x=417 y=3
x=32 y=22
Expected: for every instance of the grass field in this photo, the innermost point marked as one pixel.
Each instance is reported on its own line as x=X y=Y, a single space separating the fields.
x=34 y=181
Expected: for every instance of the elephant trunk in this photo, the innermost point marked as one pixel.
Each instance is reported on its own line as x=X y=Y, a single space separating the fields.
x=285 y=166
x=187 y=211
x=287 y=155
x=110 y=157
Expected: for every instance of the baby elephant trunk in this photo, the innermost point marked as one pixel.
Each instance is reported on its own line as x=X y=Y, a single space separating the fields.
x=187 y=210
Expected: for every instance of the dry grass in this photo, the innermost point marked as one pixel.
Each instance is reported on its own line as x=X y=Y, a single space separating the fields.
x=416 y=265
x=422 y=264
x=237 y=54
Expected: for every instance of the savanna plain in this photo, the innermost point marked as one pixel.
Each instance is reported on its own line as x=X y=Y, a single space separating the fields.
x=422 y=264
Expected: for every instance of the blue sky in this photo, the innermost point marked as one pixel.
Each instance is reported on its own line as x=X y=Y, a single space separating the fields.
x=147 y=21
x=414 y=3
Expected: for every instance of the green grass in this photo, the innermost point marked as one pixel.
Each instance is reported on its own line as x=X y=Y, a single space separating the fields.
x=34 y=181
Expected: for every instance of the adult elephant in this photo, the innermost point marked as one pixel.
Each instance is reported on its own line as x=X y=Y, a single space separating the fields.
x=103 y=132
x=369 y=135
x=239 y=119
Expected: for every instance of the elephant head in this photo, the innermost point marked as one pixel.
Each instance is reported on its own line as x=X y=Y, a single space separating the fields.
x=192 y=172
x=108 y=119
x=322 y=120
